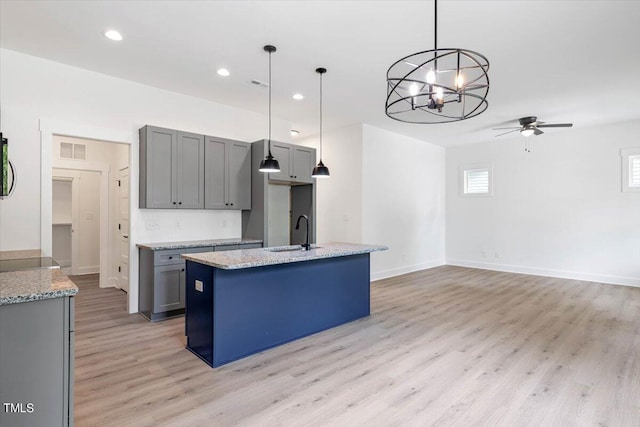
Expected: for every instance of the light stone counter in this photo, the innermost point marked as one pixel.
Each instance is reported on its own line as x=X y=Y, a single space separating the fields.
x=247 y=258
x=196 y=243
x=33 y=285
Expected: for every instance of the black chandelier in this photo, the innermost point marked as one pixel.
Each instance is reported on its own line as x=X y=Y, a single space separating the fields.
x=438 y=85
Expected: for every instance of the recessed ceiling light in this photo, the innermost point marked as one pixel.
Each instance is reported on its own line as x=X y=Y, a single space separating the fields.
x=298 y=96
x=294 y=132
x=223 y=72
x=113 y=35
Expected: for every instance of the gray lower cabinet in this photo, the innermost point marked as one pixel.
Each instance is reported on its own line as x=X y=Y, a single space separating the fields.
x=296 y=162
x=162 y=279
x=227 y=174
x=36 y=363
x=171 y=169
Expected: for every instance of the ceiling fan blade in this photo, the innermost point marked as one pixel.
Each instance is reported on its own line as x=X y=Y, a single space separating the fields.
x=512 y=127
x=515 y=130
x=556 y=125
x=537 y=131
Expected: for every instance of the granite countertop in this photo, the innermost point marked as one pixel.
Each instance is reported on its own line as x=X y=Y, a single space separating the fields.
x=195 y=243
x=247 y=258
x=33 y=285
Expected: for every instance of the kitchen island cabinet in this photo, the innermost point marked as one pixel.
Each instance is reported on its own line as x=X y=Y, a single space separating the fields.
x=246 y=301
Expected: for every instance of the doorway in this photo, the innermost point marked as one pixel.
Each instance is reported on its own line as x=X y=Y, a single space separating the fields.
x=76 y=218
x=98 y=229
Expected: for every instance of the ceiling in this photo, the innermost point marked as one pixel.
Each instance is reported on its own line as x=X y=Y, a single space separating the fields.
x=563 y=61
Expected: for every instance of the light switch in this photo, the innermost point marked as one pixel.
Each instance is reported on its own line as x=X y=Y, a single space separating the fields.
x=199 y=286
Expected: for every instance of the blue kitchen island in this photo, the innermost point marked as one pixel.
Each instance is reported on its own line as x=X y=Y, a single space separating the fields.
x=242 y=302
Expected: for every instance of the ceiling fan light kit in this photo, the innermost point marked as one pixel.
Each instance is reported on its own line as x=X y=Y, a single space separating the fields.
x=531 y=126
x=441 y=85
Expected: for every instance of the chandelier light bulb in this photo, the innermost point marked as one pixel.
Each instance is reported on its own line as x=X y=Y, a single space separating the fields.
x=439 y=93
x=431 y=76
x=413 y=89
x=459 y=81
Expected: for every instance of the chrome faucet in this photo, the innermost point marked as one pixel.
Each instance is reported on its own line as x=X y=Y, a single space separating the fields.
x=305 y=246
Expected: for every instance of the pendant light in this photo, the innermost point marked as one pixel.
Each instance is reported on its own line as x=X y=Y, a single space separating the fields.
x=438 y=85
x=320 y=171
x=269 y=164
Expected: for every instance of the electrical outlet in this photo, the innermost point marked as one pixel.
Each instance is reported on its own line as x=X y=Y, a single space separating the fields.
x=224 y=223
x=178 y=226
x=199 y=286
x=152 y=225
x=484 y=253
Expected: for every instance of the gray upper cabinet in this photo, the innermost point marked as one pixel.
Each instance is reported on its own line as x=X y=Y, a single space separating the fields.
x=303 y=163
x=227 y=174
x=296 y=162
x=190 y=171
x=283 y=154
x=171 y=169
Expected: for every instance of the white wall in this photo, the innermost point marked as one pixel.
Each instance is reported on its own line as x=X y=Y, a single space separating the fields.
x=386 y=189
x=403 y=202
x=558 y=210
x=34 y=89
x=339 y=198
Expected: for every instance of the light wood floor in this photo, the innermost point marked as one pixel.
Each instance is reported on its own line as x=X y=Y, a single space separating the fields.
x=448 y=346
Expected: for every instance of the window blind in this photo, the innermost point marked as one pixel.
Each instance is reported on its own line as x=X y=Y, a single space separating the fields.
x=634 y=171
x=476 y=181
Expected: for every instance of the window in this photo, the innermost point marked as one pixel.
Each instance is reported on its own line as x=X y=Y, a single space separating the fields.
x=634 y=171
x=630 y=169
x=476 y=180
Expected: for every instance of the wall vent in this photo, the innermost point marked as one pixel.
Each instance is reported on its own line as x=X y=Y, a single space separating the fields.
x=73 y=151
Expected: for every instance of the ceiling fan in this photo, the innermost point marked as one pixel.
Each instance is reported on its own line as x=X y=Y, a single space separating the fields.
x=531 y=126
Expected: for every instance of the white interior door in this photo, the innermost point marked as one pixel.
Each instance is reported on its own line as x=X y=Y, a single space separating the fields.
x=123 y=221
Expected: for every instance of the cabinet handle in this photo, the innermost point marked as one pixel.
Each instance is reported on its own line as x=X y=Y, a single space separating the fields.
x=174 y=203
x=296 y=176
x=170 y=257
x=179 y=203
x=226 y=204
x=231 y=204
x=183 y=269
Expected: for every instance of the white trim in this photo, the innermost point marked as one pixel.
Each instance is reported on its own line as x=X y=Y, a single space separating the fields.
x=49 y=127
x=589 y=277
x=89 y=270
x=379 y=275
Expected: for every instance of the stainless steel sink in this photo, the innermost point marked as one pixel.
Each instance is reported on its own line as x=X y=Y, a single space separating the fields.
x=287 y=249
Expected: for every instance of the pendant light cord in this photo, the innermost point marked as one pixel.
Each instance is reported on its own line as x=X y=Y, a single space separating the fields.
x=435 y=26
x=321 y=117
x=269 y=104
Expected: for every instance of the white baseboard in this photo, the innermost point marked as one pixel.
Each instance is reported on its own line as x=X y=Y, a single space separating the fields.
x=589 y=277
x=379 y=275
x=92 y=269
